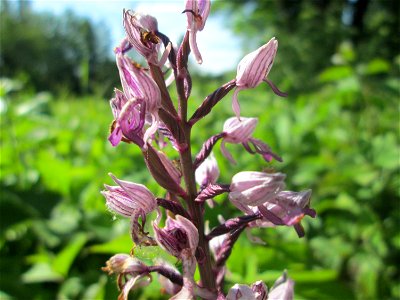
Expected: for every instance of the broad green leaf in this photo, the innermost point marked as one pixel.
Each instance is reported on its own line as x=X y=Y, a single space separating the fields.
x=70 y=288
x=96 y=290
x=376 y=66
x=335 y=73
x=121 y=244
x=65 y=258
x=5 y=296
x=41 y=272
x=56 y=177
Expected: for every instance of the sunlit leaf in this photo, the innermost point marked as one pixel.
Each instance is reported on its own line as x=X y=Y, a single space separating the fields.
x=41 y=272
x=121 y=244
x=335 y=73
x=62 y=262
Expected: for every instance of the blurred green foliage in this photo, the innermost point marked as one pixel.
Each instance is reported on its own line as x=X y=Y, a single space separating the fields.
x=337 y=133
x=311 y=31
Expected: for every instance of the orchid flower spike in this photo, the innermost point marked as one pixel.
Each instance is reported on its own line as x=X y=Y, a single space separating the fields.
x=196 y=12
x=254 y=69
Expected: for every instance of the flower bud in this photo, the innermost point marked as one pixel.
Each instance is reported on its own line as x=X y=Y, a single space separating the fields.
x=255 y=66
x=253 y=69
x=178 y=234
x=254 y=188
x=208 y=172
x=196 y=12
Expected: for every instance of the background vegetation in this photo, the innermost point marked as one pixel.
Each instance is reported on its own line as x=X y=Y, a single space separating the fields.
x=337 y=133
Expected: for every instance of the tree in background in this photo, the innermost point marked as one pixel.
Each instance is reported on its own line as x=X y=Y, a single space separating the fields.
x=55 y=53
x=313 y=30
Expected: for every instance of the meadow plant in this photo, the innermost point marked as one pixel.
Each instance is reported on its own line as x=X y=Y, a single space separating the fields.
x=145 y=115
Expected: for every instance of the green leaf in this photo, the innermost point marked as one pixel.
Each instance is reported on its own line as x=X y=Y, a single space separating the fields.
x=386 y=151
x=376 y=66
x=343 y=202
x=65 y=258
x=4 y=296
x=41 y=272
x=335 y=73
x=70 y=288
x=121 y=244
x=55 y=178
x=96 y=290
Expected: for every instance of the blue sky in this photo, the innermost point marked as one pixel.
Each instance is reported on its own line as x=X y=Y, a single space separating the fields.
x=218 y=46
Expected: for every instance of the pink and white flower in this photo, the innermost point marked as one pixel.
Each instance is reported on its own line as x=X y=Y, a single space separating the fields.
x=254 y=69
x=141 y=33
x=196 y=12
x=250 y=189
x=239 y=131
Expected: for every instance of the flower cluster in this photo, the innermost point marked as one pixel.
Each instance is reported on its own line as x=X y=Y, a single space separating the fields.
x=146 y=116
